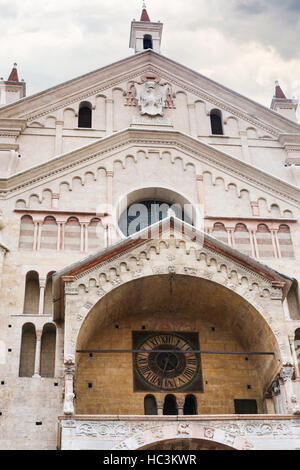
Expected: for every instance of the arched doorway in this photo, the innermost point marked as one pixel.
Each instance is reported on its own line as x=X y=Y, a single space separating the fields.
x=224 y=321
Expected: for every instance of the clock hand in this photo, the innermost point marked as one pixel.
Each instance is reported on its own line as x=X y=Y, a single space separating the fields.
x=166 y=363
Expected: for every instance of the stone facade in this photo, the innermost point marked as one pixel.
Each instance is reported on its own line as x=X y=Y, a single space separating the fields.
x=71 y=280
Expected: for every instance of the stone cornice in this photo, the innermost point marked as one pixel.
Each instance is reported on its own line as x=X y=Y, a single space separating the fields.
x=112 y=75
x=102 y=148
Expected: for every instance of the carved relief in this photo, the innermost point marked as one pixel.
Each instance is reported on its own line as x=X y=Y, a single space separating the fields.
x=151 y=97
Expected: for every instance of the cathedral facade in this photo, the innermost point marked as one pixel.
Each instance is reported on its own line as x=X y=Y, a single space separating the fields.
x=149 y=261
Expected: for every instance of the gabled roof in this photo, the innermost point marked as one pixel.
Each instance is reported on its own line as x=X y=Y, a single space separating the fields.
x=145 y=16
x=127 y=69
x=278 y=92
x=157 y=230
x=13 y=77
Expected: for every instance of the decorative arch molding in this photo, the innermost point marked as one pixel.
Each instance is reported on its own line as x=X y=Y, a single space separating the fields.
x=164 y=257
x=184 y=430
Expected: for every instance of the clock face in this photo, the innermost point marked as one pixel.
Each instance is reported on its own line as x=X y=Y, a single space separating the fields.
x=162 y=370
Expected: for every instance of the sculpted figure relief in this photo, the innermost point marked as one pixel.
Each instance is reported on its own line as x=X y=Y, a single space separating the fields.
x=68 y=404
x=151 y=97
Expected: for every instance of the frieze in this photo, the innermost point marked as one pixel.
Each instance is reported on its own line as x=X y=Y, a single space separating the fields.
x=133 y=435
x=264 y=428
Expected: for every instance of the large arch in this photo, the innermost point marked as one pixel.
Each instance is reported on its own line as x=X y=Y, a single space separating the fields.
x=223 y=318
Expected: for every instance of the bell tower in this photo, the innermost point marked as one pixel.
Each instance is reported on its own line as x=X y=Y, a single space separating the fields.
x=12 y=89
x=145 y=34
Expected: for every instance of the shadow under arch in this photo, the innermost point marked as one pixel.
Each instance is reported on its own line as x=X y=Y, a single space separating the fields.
x=151 y=302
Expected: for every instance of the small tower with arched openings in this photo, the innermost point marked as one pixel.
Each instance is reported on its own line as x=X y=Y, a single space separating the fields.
x=145 y=34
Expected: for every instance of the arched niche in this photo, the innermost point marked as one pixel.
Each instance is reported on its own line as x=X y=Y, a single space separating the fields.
x=27 y=353
x=190 y=305
x=150 y=405
x=190 y=405
x=85 y=115
x=32 y=294
x=170 y=406
x=48 y=345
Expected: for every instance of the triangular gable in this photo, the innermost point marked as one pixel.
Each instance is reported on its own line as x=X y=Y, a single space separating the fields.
x=170 y=228
x=81 y=88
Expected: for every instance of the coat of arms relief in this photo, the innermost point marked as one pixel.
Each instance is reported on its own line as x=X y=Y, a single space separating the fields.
x=150 y=96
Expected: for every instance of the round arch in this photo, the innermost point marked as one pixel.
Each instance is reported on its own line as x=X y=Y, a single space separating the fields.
x=149 y=303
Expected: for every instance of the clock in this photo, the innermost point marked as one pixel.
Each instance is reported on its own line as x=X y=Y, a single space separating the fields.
x=167 y=365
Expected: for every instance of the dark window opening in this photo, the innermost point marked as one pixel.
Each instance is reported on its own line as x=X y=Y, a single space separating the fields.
x=190 y=405
x=245 y=407
x=170 y=405
x=85 y=115
x=216 y=122
x=142 y=214
x=39 y=423
x=148 y=44
x=150 y=405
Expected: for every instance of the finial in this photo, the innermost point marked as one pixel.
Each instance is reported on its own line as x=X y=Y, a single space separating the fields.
x=144 y=5
x=15 y=64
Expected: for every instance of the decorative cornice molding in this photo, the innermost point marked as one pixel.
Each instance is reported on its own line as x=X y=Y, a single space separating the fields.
x=104 y=147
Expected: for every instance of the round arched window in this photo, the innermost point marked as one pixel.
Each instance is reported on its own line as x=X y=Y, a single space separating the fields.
x=142 y=214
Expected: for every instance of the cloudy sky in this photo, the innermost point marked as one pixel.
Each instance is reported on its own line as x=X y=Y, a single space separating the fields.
x=243 y=44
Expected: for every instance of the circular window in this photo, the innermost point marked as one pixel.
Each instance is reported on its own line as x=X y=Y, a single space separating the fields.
x=142 y=214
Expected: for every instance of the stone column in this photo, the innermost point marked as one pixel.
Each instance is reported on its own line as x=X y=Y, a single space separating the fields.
x=230 y=231
x=82 y=237
x=180 y=405
x=255 y=243
x=252 y=238
x=160 y=406
x=294 y=355
x=39 y=234
x=43 y=281
x=69 y=386
x=35 y=235
x=286 y=385
x=274 y=242
x=37 y=363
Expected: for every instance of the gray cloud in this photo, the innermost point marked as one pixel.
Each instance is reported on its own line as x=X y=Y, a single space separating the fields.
x=244 y=44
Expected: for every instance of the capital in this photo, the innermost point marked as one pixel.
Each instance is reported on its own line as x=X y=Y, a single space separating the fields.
x=287 y=372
